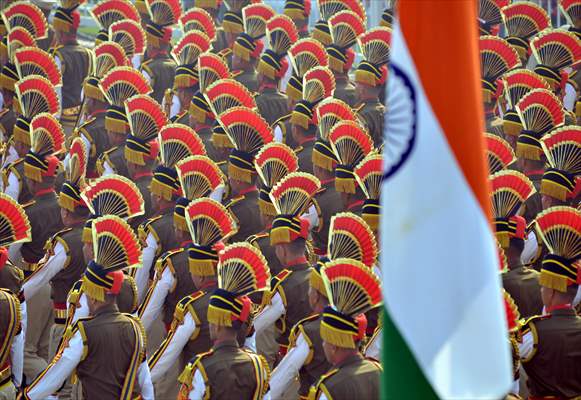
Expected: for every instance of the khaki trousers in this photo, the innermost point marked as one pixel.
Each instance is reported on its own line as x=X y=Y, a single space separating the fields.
x=39 y=321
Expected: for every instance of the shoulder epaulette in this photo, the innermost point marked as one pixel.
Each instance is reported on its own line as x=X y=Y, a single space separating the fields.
x=75 y=292
x=298 y=149
x=235 y=200
x=275 y=283
x=282 y=119
x=184 y=304
x=526 y=326
x=324 y=377
x=87 y=122
x=28 y=204
x=145 y=228
x=225 y=52
x=164 y=261
x=298 y=328
x=54 y=51
x=187 y=374
x=3 y=112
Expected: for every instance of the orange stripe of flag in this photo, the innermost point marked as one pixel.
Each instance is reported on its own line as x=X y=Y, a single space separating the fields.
x=448 y=63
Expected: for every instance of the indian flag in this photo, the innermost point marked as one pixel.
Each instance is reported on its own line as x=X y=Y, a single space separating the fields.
x=445 y=333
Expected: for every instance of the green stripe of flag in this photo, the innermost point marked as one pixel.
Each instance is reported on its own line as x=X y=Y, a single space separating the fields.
x=402 y=376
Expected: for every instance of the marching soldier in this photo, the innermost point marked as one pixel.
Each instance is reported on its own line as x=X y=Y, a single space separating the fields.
x=16 y=228
x=64 y=263
x=118 y=85
x=292 y=196
x=369 y=174
x=227 y=370
x=72 y=59
x=342 y=328
x=189 y=334
x=232 y=26
x=93 y=131
x=146 y=118
x=370 y=77
x=344 y=27
x=157 y=234
x=159 y=68
x=547 y=340
x=172 y=281
x=248 y=131
x=107 y=369
x=272 y=67
x=299 y=11
x=8 y=77
x=305 y=357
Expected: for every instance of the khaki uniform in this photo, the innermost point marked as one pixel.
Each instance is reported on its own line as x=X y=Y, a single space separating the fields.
x=262 y=242
x=143 y=182
x=345 y=90
x=93 y=129
x=305 y=155
x=11 y=278
x=115 y=157
x=248 y=79
x=161 y=71
x=328 y=203
x=353 y=378
x=10 y=326
x=229 y=373
x=372 y=114
x=272 y=104
x=244 y=209
x=522 y=284
x=17 y=168
x=552 y=366
x=283 y=123
x=7 y=121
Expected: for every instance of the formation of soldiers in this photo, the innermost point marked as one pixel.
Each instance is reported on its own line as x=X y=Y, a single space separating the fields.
x=190 y=208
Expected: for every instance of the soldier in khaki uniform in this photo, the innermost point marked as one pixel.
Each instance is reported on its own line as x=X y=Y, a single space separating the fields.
x=159 y=68
x=288 y=235
x=189 y=333
x=16 y=228
x=232 y=26
x=305 y=358
x=107 y=369
x=547 y=340
x=369 y=173
x=342 y=328
x=228 y=371
x=370 y=78
x=72 y=59
x=8 y=77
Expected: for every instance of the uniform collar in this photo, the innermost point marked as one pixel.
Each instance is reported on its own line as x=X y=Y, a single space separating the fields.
x=139 y=175
x=247 y=190
x=230 y=343
x=97 y=112
x=107 y=309
x=561 y=309
x=44 y=192
x=355 y=204
x=349 y=360
x=307 y=139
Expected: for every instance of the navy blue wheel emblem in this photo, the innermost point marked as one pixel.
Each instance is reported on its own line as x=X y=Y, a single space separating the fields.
x=400 y=121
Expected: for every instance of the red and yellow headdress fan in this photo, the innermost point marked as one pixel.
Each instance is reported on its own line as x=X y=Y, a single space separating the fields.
x=198 y=19
x=108 y=55
x=146 y=119
x=225 y=94
x=242 y=270
x=273 y=162
x=499 y=153
x=25 y=15
x=176 y=142
x=281 y=33
x=345 y=27
x=327 y=9
x=66 y=17
x=555 y=50
x=111 y=195
x=522 y=21
x=17 y=38
x=249 y=132
x=70 y=194
x=115 y=248
x=47 y=140
x=517 y=84
x=304 y=55
x=233 y=21
x=14 y=226
x=199 y=177
x=560 y=230
x=292 y=196
x=163 y=14
x=318 y=84
x=129 y=35
x=369 y=173
x=329 y=112
x=510 y=190
x=350 y=143
x=210 y=225
x=35 y=95
x=107 y=12
x=375 y=46
x=489 y=16
x=118 y=85
x=562 y=148
x=352 y=289
x=572 y=11
x=211 y=68
x=540 y=112
x=186 y=54
x=497 y=57
x=248 y=45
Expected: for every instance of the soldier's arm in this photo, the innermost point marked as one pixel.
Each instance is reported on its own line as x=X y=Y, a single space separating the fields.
x=62 y=366
x=107 y=169
x=288 y=368
x=199 y=387
x=17 y=357
x=270 y=314
x=153 y=303
x=170 y=349
x=144 y=381
x=46 y=272
x=142 y=274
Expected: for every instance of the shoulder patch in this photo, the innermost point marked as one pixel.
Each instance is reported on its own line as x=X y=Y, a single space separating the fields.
x=183 y=305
